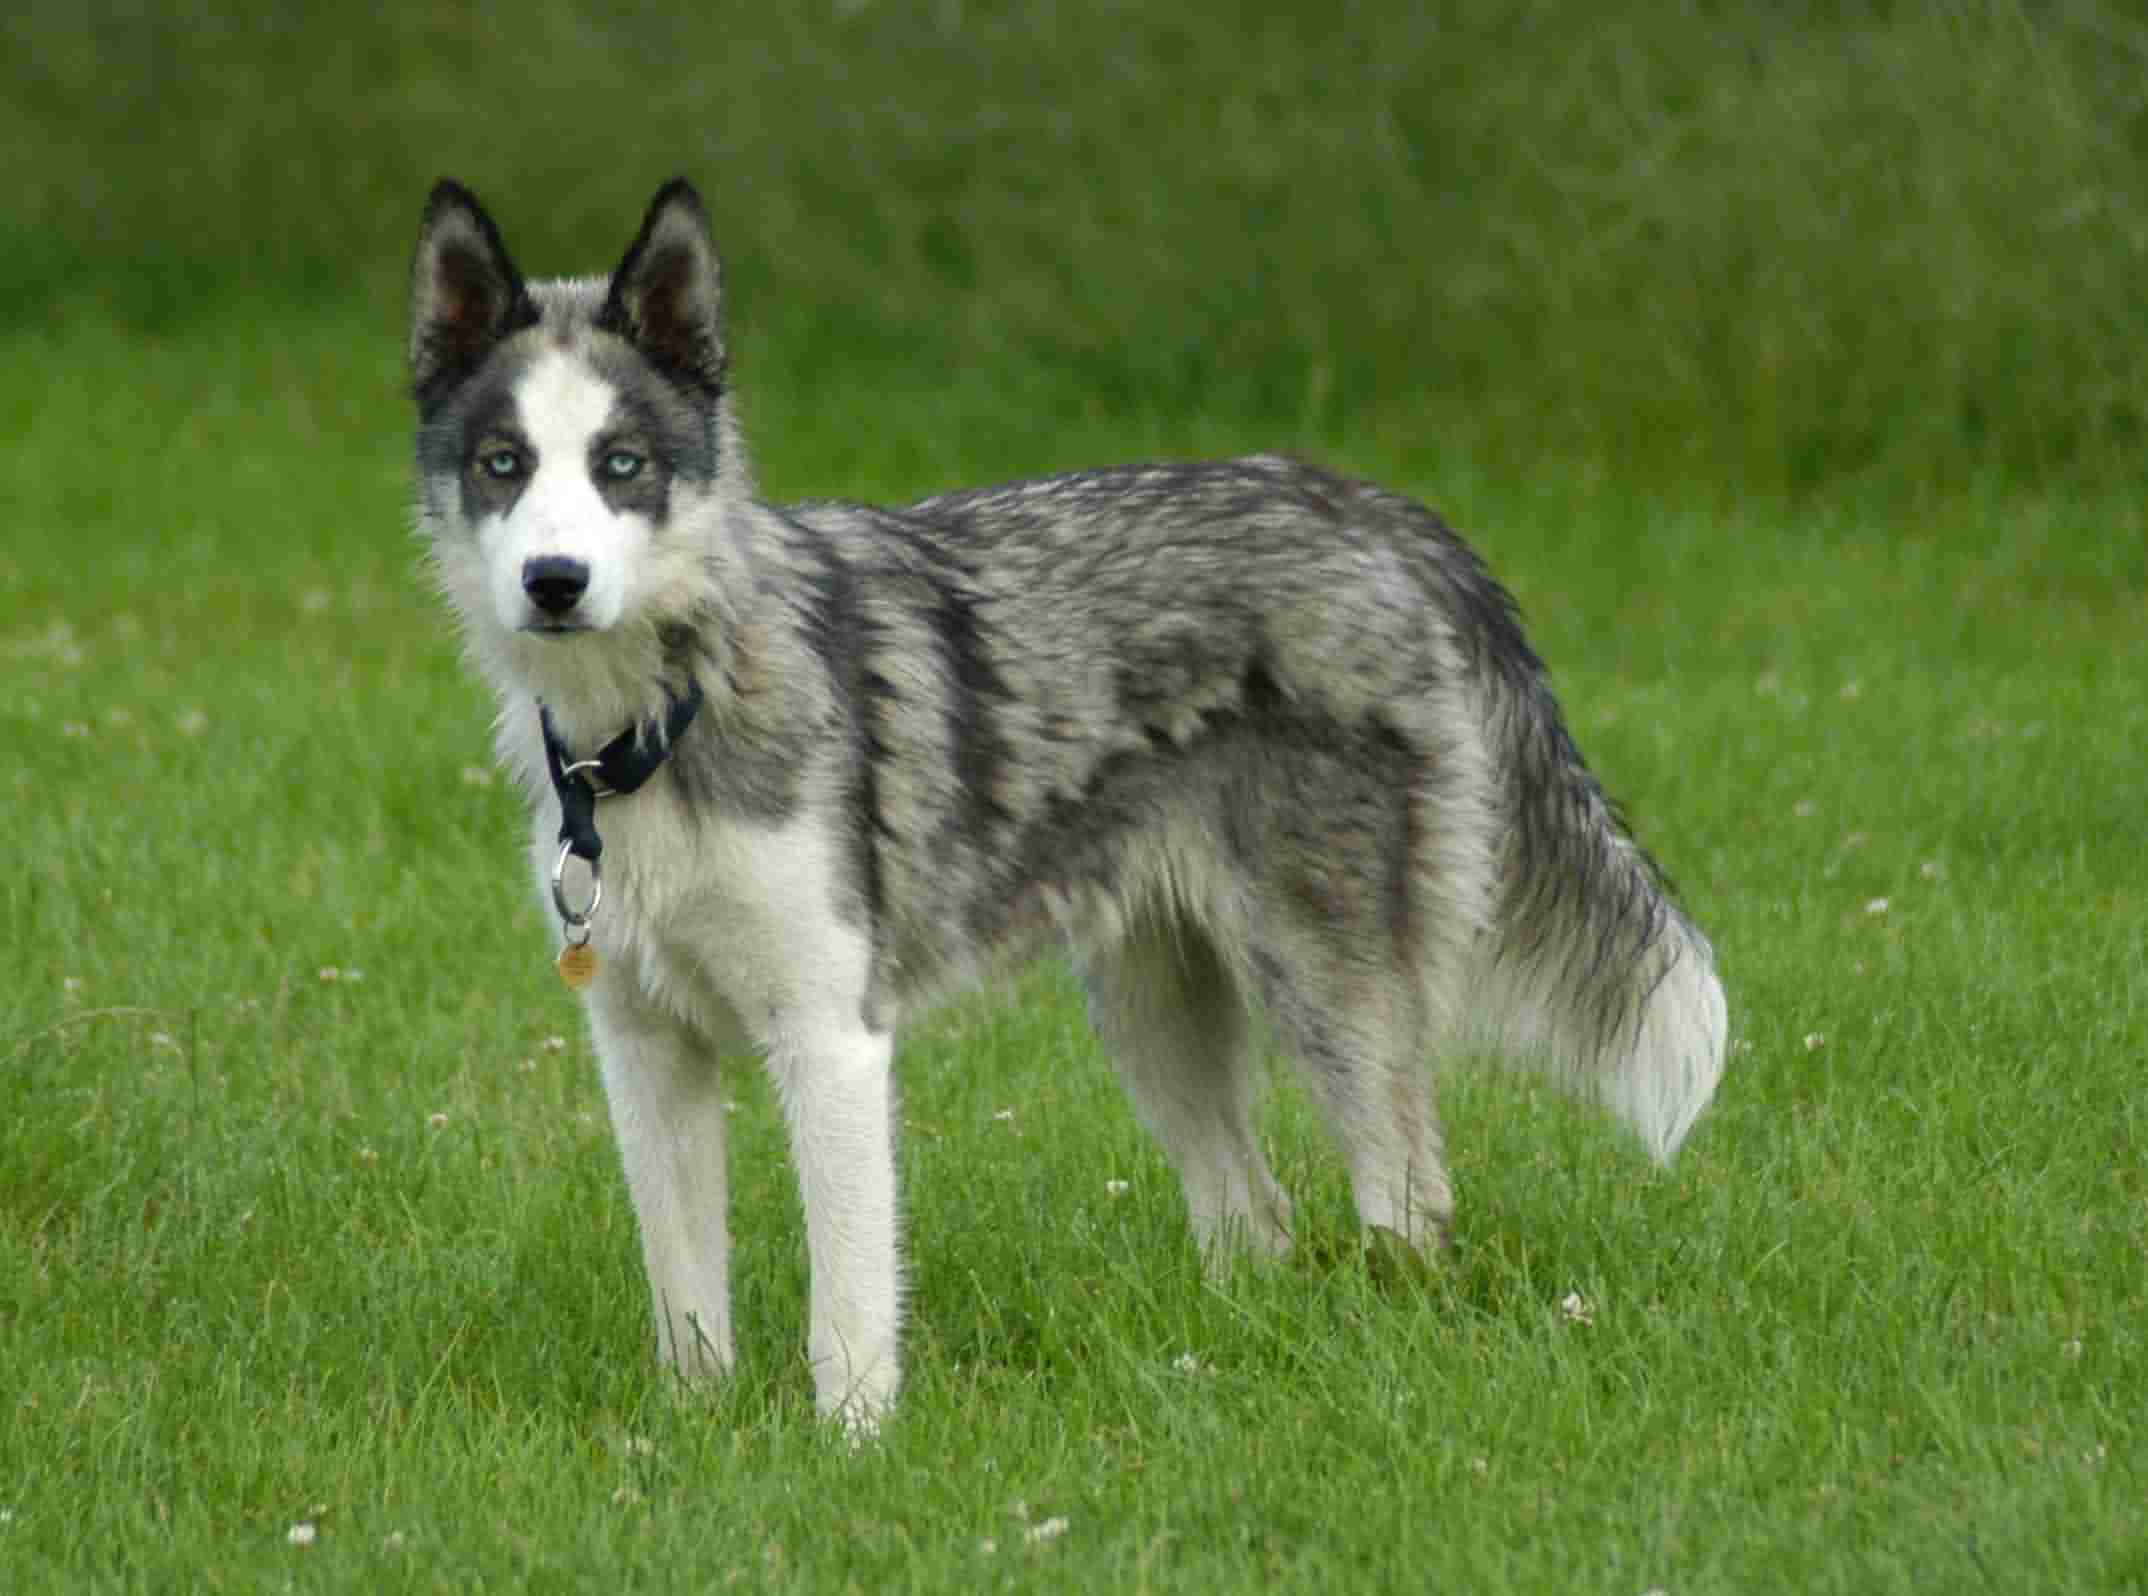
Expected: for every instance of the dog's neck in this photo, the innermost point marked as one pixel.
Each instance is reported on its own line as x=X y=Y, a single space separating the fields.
x=620 y=767
x=591 y=685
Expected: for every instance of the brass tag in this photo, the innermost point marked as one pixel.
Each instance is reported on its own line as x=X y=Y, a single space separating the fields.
x=577 y=965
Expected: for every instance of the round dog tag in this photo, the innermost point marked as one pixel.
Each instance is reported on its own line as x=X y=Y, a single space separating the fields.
x=577 y=965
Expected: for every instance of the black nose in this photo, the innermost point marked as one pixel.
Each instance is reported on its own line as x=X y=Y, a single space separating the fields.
x=554 y=583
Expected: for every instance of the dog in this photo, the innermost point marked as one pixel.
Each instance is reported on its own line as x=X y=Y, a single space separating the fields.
x=1246 y=737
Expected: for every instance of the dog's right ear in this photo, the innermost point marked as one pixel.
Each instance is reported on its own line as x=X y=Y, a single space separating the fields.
x=465 y=294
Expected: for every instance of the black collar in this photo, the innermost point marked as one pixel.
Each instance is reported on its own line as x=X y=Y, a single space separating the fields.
x=618 y=768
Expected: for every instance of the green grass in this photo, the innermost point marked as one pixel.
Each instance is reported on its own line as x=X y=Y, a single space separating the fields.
x=1834 y=544
x=1782 y=244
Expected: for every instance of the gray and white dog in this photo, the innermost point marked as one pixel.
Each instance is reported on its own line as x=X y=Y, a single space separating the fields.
x=1243 y=736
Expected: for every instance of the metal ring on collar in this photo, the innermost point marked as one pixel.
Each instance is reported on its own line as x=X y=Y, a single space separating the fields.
x=595 y=779
x=574 y=920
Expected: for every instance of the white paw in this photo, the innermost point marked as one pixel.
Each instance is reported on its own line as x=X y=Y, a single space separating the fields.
x=858 y=1417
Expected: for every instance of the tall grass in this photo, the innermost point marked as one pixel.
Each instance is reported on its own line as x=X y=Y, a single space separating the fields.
x=1760 y=249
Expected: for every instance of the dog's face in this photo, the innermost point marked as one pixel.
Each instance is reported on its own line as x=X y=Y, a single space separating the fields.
x=564 y=429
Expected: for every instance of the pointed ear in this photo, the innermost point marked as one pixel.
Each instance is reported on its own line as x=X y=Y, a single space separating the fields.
x=666 y=298
x=465 y=294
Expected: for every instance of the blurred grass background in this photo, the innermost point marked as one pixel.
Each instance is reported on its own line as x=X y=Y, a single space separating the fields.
x=1713 y=249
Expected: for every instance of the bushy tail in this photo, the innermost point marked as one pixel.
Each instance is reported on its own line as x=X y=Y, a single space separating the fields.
x=1591 y=969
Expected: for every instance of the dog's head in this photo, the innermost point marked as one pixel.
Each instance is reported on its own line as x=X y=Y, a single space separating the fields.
x=569 y=435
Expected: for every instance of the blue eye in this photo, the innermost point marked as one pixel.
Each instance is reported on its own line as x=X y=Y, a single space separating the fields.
x=501 y=464
x=622 y=465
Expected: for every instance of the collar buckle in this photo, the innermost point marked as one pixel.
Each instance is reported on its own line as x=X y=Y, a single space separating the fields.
x=591 y=772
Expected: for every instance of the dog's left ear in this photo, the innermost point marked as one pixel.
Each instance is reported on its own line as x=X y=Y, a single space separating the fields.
x=666 y=297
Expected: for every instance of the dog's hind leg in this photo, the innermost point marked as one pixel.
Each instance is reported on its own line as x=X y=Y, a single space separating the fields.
x=1354 y=1024
x=1174 y=1020
x=666 y=1097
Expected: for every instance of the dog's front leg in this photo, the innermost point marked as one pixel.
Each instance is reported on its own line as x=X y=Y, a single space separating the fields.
x=837 y=1092
x=667 y=1104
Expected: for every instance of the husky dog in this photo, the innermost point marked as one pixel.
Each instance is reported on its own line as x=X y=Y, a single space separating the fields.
x=1243 y=736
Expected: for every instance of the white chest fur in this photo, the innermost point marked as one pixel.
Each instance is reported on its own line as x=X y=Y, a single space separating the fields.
x=730 y=926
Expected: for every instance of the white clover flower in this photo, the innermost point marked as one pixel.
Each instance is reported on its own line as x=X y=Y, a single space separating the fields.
x=301 y=1534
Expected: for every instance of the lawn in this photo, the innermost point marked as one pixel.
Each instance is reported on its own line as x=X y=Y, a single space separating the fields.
x=1790 y=369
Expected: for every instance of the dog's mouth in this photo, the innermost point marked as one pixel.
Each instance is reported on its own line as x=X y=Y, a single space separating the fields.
x=555 y=628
